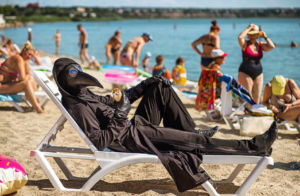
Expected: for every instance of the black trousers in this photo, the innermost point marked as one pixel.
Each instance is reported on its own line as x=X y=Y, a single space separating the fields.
x=161 y=102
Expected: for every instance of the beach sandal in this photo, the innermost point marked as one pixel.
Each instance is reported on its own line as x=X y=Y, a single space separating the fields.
x=295 y=166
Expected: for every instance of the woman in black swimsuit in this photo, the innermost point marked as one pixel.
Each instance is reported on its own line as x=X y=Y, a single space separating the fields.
x=250 y=72
x=209 y=42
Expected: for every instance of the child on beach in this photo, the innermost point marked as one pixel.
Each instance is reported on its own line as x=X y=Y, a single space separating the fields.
x=146 y=63
x=94 y=64
x=159 y=69
x=218 y=59
x=179 y=72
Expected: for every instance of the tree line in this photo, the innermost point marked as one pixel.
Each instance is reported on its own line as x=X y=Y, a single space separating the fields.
x=54 y=14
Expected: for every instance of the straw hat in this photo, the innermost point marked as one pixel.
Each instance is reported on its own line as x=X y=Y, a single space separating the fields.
x=254 y=30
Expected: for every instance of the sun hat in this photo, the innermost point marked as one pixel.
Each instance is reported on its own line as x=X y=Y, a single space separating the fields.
x=278 y=85
x=29 y=29
x=148 y=54
x=148 y=35
x=254 y=30
x=218 y=53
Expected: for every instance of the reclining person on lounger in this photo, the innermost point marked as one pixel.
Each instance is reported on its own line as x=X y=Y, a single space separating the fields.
x=179 y=148
x=15 y=76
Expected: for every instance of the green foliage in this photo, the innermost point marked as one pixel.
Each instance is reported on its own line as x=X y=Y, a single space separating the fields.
x=57 y=14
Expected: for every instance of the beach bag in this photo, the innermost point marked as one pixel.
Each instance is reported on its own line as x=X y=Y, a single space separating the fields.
x=255 y=125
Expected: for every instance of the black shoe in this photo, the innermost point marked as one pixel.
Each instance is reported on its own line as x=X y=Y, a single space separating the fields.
x=271 y=135
x=208 y=133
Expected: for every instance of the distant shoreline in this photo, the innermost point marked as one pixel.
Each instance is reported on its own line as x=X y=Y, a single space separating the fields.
x=9 y=25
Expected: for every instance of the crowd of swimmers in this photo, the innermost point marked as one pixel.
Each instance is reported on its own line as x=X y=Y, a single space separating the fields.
x=281 y=95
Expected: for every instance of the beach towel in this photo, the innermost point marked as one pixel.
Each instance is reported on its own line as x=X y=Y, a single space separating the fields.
x=15 y=98
x=238 y=89
x=207 y=90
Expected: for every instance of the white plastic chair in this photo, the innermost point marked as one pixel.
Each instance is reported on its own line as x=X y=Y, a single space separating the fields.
x=288 y=127
x=110 y=161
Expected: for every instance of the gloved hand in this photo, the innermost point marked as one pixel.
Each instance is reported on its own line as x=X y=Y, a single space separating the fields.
x=136 y=92
x=122 y=107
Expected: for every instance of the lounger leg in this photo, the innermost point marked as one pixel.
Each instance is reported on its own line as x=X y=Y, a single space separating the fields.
x=49 y=171
x=229 y=123
x=19 y=108
x=232 y=176
x=252 y=177
x=287 y=126
x=63 y=168
x=210 y=189
x=67 y=172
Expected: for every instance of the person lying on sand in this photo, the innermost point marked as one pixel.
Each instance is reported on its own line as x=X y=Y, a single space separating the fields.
x=15 y=76
x=178 y=144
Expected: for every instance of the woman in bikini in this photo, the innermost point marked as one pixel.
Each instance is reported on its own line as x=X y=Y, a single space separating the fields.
x=134 y=46
x=284 y=96
x=209 y=42
x=113 y=47
x=15 y=76
x=250 y=72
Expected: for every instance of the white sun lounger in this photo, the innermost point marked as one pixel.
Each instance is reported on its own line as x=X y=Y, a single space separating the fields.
x=20 y=97
x=110 y=161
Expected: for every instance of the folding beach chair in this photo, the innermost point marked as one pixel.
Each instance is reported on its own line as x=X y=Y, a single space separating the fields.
x=110 y=161
x=228 y=111
x=20 y=97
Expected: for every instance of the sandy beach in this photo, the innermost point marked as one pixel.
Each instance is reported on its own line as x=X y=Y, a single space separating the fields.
x=21 y=132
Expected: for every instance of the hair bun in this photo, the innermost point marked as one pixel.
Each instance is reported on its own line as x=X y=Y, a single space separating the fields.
x=214 y=22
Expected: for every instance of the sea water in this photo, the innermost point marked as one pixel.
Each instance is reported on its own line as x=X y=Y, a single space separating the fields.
x=172 y=43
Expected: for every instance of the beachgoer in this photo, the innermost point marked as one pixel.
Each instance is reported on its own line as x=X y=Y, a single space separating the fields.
x=250 y=72
x=159 y=69
x=113 y=47
x=294 y=44
x=134 y=46
x=178 y=145
x=8 y=49
x=3 y=38
x=15 y=76
x=179 y=72
x=209 y=42
x=29 y=35
x=146 y=63
x=94 y=63
x=57 y=38
x=83 y=43
x=218 y=59
x=284 y=96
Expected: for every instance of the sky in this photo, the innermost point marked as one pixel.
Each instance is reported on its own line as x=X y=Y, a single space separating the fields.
x=163 y=3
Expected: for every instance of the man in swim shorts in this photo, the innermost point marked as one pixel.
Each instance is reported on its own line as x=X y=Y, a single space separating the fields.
x=83 y=43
